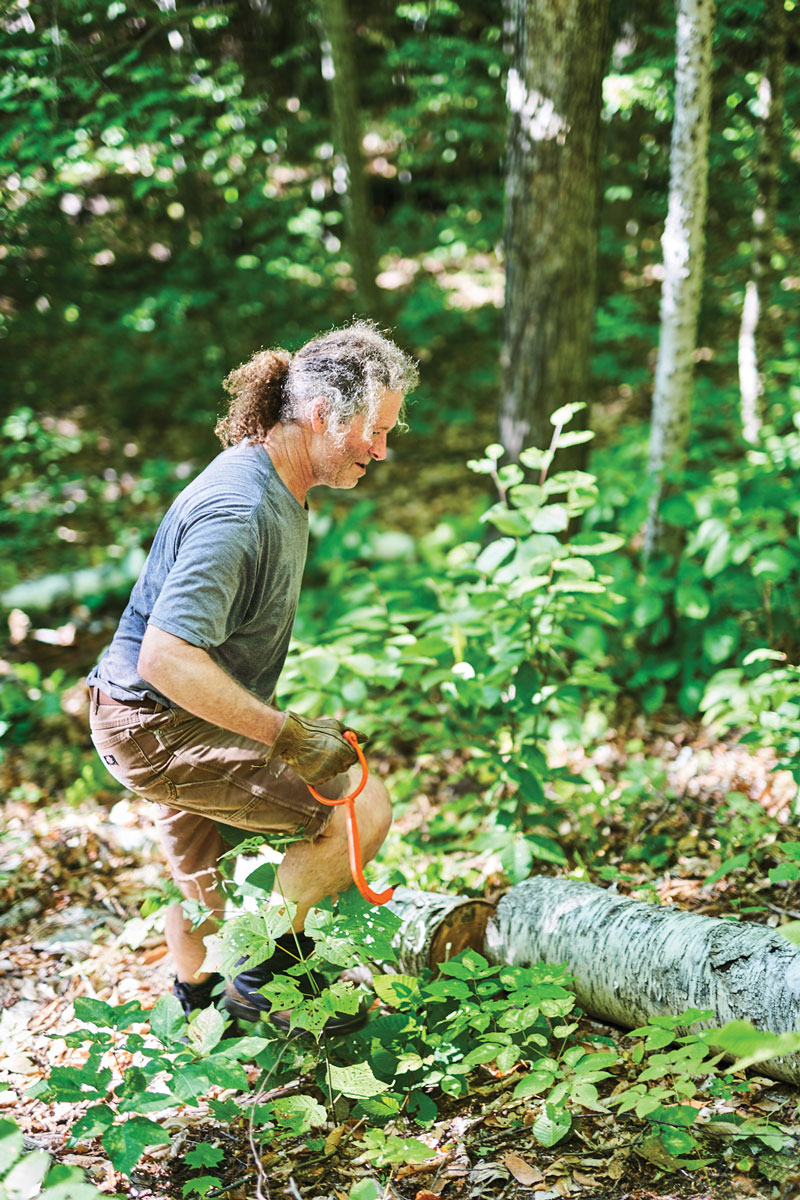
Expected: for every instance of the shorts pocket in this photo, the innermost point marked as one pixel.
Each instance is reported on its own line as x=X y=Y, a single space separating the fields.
x=129 y=762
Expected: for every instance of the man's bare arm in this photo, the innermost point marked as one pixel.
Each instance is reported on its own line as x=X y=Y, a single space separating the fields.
x=189 y=677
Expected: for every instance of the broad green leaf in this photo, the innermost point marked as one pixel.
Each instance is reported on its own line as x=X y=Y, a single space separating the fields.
x=737 y=863
x=126 y=1143
x=533 y=1084
x=200 y=1186
x=580 y=567
x=68 y=1183
x=241 y=1048
x=395 y=990
x=535 y=459
x=302 y=1112
x=528 y=495
x=545 y=849
x=206 y=1030
x=167 y=1020
x=516 y=859
x=203 y=1154
x=574 y=438
x=784 y=872
x=718 y=556
x=763 y=654
x=510 y=521
x=263 y=877
x=485 y=1053
x=380 y=1108
x=11 y=1142
x=751 y=1045
x=648 y=609
x=106 y=1016
x=563 y=415
x=94 y=1121
x=605 y=544
x=552 y=519
x=495 y=553
x=319 y=668
x=356 y=1081
x=585 y=586
x=24 y=1180
x=720 y=641
x=551 y=1125
x=366 y=1189
x=692 y=601
x=774 y=563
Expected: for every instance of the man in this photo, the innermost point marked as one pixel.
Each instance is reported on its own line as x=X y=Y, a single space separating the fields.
x=182 y=702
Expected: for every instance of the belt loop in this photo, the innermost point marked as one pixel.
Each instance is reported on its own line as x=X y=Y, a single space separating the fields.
x=93 y=700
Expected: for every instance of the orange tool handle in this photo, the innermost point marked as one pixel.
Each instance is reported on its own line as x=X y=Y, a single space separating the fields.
x=353 y=840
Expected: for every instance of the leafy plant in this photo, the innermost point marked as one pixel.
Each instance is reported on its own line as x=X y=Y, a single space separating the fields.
x=25 y=1175
x=470 y=646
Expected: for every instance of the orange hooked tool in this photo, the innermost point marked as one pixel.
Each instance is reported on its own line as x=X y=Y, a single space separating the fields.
x=353 y=840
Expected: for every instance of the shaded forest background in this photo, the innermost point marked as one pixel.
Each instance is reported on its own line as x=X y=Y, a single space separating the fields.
x=175 y=200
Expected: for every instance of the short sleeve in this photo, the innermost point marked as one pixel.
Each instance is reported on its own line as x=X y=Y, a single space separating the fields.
x=207 y=589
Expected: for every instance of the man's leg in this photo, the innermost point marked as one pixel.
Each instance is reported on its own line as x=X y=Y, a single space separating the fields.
x=309 y=870
x=312 y=870
x=192 y=845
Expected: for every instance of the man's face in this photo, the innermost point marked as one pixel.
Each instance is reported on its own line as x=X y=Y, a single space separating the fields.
x=342 y=465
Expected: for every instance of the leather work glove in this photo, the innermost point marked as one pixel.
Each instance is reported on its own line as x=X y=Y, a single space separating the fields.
x=317 y=749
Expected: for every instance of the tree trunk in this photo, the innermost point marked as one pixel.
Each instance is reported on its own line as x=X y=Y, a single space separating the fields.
x=552 y=199
x=631 y=961
x=436 y=927
x=683 y=245
x=771 y=101
x=338 y=67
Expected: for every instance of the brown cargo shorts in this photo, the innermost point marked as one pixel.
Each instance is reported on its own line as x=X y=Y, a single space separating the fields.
x=198 y=774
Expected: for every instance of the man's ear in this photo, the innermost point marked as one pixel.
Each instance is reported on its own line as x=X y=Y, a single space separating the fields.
x=319 y=412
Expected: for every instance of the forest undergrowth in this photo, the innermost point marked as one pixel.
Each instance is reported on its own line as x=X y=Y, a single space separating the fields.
x=77 y=878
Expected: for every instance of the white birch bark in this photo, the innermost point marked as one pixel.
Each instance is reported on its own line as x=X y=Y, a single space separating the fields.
x=436 y=928
x=631 y=961
x=683 y=245
x=770 y=103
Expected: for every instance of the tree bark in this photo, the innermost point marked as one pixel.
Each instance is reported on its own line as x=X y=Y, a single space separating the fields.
x=436 y=927
x=631 y=961
x=552 y=200
x=771 y=102
x=683 y=246
x=338 y=67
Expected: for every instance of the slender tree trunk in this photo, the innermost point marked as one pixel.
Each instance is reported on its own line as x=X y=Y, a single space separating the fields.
x=631 y=961
x=771 y=102
x=338 y=66
x=552 y=200
x=683 y=245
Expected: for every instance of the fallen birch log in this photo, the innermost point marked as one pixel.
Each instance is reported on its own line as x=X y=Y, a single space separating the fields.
x=631 y=961
x=436 y=927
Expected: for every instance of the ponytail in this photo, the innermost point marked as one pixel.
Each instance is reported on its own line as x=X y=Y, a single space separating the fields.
x=258 y=399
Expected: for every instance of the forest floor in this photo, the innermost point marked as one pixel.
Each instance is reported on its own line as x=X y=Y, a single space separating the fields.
x=73 y=876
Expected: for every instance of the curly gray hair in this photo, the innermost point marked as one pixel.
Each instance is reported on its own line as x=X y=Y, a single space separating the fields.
x=351 y=367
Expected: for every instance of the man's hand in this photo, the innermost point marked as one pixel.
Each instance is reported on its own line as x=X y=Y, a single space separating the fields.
x=317 y=750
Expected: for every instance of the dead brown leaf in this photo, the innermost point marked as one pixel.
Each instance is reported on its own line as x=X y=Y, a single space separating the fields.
x=522 y=1171
x=333 y=1139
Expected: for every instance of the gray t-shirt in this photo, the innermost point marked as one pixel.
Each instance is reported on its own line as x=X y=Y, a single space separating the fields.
x=224 y=573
